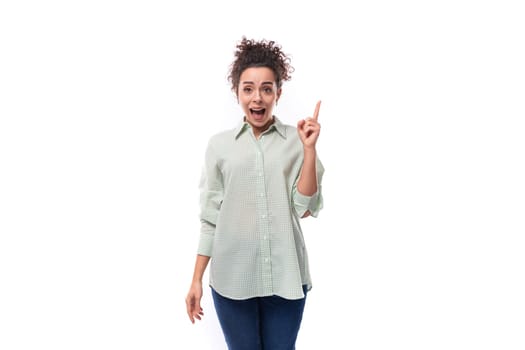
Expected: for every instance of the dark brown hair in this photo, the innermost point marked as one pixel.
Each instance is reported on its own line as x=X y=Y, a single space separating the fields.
x=263 y=53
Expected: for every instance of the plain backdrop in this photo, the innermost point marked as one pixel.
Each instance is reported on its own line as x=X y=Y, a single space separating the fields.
x=105 y=111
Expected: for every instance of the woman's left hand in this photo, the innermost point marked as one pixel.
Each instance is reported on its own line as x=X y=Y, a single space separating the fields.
x=310 y=128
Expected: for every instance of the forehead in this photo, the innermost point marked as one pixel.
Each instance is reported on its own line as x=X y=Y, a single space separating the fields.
x=257 y=75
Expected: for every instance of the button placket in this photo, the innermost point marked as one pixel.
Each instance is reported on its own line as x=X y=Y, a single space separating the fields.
x=263 y=220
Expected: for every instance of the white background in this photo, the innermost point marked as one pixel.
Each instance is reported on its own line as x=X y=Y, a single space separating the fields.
x=105 y=110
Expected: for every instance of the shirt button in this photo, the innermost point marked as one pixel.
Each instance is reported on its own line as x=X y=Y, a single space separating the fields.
x=263 y=216
x=260 y=174
x=261 y=194
x=265 y=237
x=265 y=259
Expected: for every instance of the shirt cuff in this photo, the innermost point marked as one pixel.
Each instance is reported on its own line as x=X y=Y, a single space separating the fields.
x=304 y=203
x=206 y=239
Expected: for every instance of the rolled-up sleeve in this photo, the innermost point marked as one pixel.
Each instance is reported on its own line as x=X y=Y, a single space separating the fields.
x=206 y=239
x=211 y=195
x=313 y=203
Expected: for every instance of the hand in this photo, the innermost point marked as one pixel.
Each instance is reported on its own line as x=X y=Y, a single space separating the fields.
x=193 y=302
x=309 y=128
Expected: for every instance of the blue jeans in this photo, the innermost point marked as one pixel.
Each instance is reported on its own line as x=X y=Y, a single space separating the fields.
x=263 y=323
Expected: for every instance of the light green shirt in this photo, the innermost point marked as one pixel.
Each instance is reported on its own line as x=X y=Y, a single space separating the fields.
x=250 y=213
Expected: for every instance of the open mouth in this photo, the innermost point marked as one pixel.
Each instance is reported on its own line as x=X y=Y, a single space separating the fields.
x=258 y=114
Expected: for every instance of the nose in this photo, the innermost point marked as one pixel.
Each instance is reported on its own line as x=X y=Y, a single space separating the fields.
x=257 y=96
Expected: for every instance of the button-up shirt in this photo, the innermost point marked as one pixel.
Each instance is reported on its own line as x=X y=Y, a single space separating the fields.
x=251 y=210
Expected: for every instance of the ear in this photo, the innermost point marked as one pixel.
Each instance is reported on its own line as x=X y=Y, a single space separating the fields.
x=279 y=91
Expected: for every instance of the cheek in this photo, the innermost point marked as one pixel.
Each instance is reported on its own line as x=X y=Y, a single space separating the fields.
x=242 y=100
x=271 y=99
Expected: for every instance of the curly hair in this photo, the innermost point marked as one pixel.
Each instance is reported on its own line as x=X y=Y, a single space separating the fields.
x=264 y=53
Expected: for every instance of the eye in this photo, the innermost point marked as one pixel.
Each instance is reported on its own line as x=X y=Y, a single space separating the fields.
x=247 y=89
x=268 y=90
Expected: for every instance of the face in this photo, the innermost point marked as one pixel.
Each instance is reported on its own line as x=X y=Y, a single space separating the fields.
x=257 y=95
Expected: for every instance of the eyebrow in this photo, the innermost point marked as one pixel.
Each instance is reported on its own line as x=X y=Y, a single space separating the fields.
x=264 y=83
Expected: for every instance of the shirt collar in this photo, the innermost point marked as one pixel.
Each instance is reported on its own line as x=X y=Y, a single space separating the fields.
x=277 y=126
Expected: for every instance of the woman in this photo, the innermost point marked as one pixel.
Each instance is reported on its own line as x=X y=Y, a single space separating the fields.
x=259 y=179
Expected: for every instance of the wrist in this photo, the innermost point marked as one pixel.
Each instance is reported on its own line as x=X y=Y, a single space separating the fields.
x=309 y=150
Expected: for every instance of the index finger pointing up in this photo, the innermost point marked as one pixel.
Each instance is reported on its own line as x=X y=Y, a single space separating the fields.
x=316 y=112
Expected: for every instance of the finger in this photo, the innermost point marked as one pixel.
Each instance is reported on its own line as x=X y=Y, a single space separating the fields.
x=197 y=310
x=198 y=316
x=301 y=125
x=311 y=128
x=316 y=112
x=189 y=309
x=312 y=122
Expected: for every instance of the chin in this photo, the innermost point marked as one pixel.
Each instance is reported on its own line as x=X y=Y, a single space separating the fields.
x=260 y=122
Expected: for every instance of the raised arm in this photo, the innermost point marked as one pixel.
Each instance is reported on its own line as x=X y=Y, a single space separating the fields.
x=309 y=130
